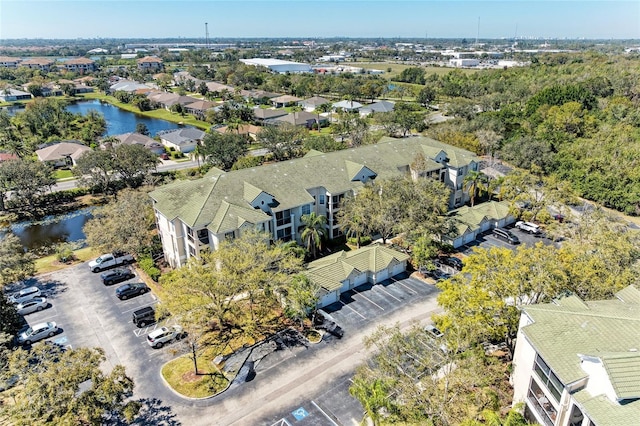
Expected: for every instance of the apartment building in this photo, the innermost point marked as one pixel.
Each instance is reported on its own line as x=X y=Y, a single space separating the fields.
x=198 y=214
x=577 y=363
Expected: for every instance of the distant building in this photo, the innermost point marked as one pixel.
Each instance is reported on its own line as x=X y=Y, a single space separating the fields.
x=80 y=65
x=577 y=363
x=12 y=95
x=312 y=103
x=149 y=64
x=347 y=105
x=278 y=65
x=182 y=140
x=464 y=62
x=9 y=62
x=42 y=64
x=139 y=139
x=377 y=107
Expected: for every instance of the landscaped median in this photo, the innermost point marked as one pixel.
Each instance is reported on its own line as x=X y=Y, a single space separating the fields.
x=179 y=374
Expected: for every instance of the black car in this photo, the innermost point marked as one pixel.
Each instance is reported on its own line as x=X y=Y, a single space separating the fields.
x=116 y=276
x=131 y=289
x=454 y=262
x=144 y=316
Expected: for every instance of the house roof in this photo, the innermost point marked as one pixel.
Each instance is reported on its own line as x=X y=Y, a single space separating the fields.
x=79 y=61
x=61 y=150
x=243 y=129
x=37 y=61
x=470 y=218
x=265 y=114
x=133 y=138
x=298 y=118
x=315 y=101
x=214 y=86
x=288 y=182
x=330 y=271
x=285 y=99
x=150 y=59
x=564 y=331
x=380 y=106
x=201 y=105
x=346 y=104
x=184 y=136
x=257 y=94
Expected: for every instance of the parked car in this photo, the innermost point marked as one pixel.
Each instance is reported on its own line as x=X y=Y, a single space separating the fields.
x=529 y=227
x=159 y=337
x=144 y=316
x=505 y=235
x=116 y=276
x=37 y=332
x=109 y=260
x=131 y=289
x=433 y=331
x=452 y=261
x=33 y=305
x=25 y=294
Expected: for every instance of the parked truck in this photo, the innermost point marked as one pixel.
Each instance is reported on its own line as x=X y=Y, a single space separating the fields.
x=109 y=260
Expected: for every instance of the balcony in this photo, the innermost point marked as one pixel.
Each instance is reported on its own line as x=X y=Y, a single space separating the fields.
x=543 y=407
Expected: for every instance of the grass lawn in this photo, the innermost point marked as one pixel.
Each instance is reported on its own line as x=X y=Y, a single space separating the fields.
x=180 y=375
x=51 y=264
x=63 y=174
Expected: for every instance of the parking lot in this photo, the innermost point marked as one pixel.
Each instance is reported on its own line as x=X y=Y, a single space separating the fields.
x=488 y=240
x=89 y=314
x=370 y=302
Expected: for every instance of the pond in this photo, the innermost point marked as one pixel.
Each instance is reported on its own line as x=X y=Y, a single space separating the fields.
x=120 y=121
x=52 y=230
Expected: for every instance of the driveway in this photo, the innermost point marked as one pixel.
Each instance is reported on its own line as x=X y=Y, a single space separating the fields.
x=488 y=240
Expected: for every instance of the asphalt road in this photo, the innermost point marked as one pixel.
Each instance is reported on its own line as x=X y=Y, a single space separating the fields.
x=314 y=377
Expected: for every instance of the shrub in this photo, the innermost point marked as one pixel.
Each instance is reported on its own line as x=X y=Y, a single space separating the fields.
x=148 y=265
x=364 y=240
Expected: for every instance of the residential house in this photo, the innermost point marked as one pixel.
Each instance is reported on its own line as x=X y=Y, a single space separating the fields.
x=261 y=115
x=79 y=65
x=9 y=62
x=216 y=87
x=577 y=363
x=377 y=107
x=258 y=96
x=346 y=105
x=129 y=86
x=182 y=140
x=42 y=64
x=244 y=129
x=284 y=100
x=470 y=222
x=299 y=118
x=62 y=154
x=345 y=270
x=312 y=103
x=11 y=95
x=133 y=138
x=167 y=99
x=149 y=64
x=279 y=66
x=78 y=87
x=199 y=108
x=198 y=214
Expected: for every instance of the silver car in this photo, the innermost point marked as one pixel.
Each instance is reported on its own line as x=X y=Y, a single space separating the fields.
x=25 y=294
x=159 y=337
x=37 y=332
x=33 y=305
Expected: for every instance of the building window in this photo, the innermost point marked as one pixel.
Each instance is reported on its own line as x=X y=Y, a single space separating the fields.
x=283 y=218
x=203 y=236
x=335 y=201
x=190 y=235
x=321 y=198
x=284 y=234
x=229 y=236
x=306 y=209
x=548 y=378
x=192 y=251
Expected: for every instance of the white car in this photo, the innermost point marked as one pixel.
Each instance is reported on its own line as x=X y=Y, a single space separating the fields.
x=37 y=332
x=33 y=305
x=529 y=227
x=25 y=294
x=159 y=337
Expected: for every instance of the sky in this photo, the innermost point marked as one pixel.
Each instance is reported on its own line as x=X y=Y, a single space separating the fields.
x=88 y=19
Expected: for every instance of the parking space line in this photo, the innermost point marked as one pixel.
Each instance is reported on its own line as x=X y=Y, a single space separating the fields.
x=385 y=291
x=357 y=292
x=344 y=304
x=138 y=307
x=412 y=291
x=325 y=414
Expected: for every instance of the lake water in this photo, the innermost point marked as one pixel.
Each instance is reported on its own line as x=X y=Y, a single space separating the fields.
x=52 y=230
x=120 y=121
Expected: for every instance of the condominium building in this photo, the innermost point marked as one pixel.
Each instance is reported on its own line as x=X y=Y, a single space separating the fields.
x=577 y=363
x=198 y=214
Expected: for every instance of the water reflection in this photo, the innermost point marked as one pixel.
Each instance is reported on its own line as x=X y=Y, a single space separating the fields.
x=52 y=230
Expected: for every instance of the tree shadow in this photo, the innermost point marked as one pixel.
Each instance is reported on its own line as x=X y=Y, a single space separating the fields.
x=154 y=412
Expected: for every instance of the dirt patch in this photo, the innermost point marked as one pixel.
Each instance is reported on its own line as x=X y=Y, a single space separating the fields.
x=191 y=376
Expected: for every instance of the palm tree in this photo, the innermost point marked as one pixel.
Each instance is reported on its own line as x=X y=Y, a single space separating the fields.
x=326 y=107
x=351 y=218
x=314 y=232
x=474 y=182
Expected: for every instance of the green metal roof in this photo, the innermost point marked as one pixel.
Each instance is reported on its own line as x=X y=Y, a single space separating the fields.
x=470 y=218
x=330 y=271
x=197 y=202
x=569 y=328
